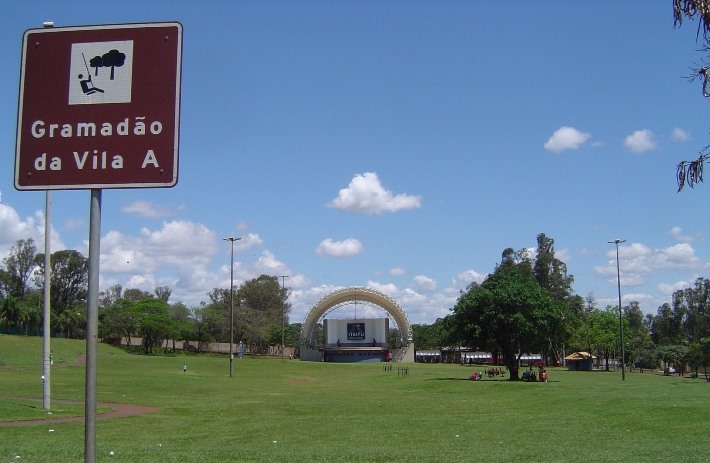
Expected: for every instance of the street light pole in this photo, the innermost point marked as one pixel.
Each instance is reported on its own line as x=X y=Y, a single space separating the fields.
x=621 y=323
x=231 y=303
x=283 y=316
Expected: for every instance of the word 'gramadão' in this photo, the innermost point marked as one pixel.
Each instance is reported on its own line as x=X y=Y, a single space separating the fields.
x=41 y=129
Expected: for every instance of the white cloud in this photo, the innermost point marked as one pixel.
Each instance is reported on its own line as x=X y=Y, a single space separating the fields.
x=347 y=248
x=680 y=135
x=397 y=271
x=146 y=209
x=676 y=233
x=464 y=279
x=566 y=138
x=365 y=195
x=637 y=261
x=669 y=289
x=180 y=241
x=640 y=141
x=425 y=283
x=13 y=228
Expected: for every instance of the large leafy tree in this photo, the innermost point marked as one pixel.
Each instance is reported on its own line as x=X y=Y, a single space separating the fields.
x=262 y=308
x=694 y=303
x=508 y=313
x=432 y=336
x=120 y=319
x=68 y=284
x=19 y=264
x=154 y=322
x=551 y=274
x=604 y=332
x=667 y=326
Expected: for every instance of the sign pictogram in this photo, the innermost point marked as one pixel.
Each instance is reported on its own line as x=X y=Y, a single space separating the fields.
x=99 y=107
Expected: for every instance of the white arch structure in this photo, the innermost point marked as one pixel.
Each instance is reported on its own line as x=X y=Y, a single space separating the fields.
x=358 y=294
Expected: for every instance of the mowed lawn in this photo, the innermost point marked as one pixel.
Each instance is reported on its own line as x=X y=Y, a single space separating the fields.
x=276 y=410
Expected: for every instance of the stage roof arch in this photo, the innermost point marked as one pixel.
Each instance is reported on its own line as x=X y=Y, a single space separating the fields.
x=357 y=294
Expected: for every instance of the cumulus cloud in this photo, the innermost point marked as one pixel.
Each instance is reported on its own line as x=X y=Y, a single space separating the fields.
x=146 y=209
x=677 y=234
x=365 y=195
x=670 y=288
x=346 y=248
x=179 y=240
x=464 y=279
x=397 y=271
x=566 y=138
x=425 y=283
x=680 y=135
x=13 y=228
x=637 y=261
x=640 y=141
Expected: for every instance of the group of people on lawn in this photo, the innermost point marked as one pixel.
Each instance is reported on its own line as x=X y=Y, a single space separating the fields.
x=528 y=375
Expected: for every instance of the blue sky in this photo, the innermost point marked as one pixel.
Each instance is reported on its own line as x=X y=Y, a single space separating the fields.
x=398 y=145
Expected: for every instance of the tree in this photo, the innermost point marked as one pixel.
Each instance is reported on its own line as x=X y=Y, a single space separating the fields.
x=691 y=172
x=180 y=315
x=96 y=62
x=111 y=295
x=694 y=303
x=120 y=319
x=551 y=274
x=667 y=326
x=113 y=59
x=262 y=307
x=699 y=356
x=509 y=313
x=154 y=322
x=634 y=315
x=673 y=354
x=163 y=293
x=69 y=281
x=135 y=294
x=19 y=264
x=429 y=336
x=604 y=332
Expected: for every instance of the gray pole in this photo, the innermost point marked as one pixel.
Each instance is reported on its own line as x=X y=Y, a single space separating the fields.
x=231 y=304
x=283 y=316
x=621 y=323
x=46 y=349
x=92 y=325
x=46 y=325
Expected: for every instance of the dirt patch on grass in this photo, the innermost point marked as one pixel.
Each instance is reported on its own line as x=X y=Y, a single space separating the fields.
x=119 y=411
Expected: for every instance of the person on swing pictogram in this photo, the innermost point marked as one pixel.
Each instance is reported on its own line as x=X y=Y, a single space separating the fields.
x=87 y=86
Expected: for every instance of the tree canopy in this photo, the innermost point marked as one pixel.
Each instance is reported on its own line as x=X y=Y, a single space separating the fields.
x=509 y=313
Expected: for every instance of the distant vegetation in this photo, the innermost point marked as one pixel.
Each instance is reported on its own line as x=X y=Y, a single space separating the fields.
x=526 y=305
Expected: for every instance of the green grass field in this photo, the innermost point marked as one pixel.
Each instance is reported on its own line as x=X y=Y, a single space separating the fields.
x=276 y=410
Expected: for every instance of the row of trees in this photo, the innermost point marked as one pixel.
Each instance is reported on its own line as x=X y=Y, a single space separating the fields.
x=260 y=306
x=527 y=306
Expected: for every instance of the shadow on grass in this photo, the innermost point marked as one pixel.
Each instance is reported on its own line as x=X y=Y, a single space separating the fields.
x=492 y=380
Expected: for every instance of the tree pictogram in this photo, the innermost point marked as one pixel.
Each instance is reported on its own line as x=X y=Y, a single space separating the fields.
x=113 y=59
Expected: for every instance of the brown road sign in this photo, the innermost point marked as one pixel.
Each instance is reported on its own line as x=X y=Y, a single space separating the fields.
x=99 y=107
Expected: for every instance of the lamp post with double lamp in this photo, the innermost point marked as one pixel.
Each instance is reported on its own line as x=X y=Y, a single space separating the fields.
x=621 y=323
x=231 y=303
x=283 y=315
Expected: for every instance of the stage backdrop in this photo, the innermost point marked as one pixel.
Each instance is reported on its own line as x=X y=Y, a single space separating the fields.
x=354 y=332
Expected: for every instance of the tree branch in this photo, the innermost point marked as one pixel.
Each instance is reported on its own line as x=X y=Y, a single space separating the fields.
x=691 y=172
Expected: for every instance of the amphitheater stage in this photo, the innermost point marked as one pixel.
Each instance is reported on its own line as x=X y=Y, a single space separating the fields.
x=356 y=354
